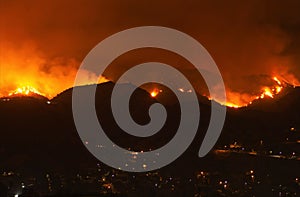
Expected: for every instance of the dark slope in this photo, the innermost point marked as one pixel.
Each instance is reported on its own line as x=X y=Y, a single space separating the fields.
x=37 y=135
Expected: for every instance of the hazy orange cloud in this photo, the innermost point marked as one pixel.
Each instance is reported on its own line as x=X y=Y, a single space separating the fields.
x=42 y=43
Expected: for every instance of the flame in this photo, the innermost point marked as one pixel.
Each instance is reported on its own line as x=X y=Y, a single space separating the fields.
x=181 y=89
x=228 y=104
x=27 y=69
x=277 y=80
x=154 y=93
x=267 y=92
x=278 y=89
x=271 y=92
x=241 y=100
x=184 y=90
x=25 y=90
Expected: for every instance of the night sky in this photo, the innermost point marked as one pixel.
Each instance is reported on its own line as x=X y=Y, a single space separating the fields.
x=42 y=43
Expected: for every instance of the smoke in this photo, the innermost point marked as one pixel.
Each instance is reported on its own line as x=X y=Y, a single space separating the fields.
x=44 y=42
x=25 y=65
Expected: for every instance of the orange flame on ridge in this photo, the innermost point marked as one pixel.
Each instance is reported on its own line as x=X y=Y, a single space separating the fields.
x=267 y=92
x=25 y=90
x=271 y=92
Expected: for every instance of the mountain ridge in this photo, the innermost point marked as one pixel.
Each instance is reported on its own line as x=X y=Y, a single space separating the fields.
x=40 y=133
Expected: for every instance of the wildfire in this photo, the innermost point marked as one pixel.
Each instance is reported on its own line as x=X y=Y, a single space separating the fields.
x=270 y=92
x=241 y=100
x=238 y=100
x=25 y=90
x=267 y=92
x=232 y=105
x=277 y=80
x=228 y=104
x=25 y=69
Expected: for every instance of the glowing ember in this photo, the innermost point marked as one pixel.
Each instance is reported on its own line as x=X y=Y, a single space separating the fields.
x=278 y=89
x=155 y=92
x=25 y=90
x=181 y=89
